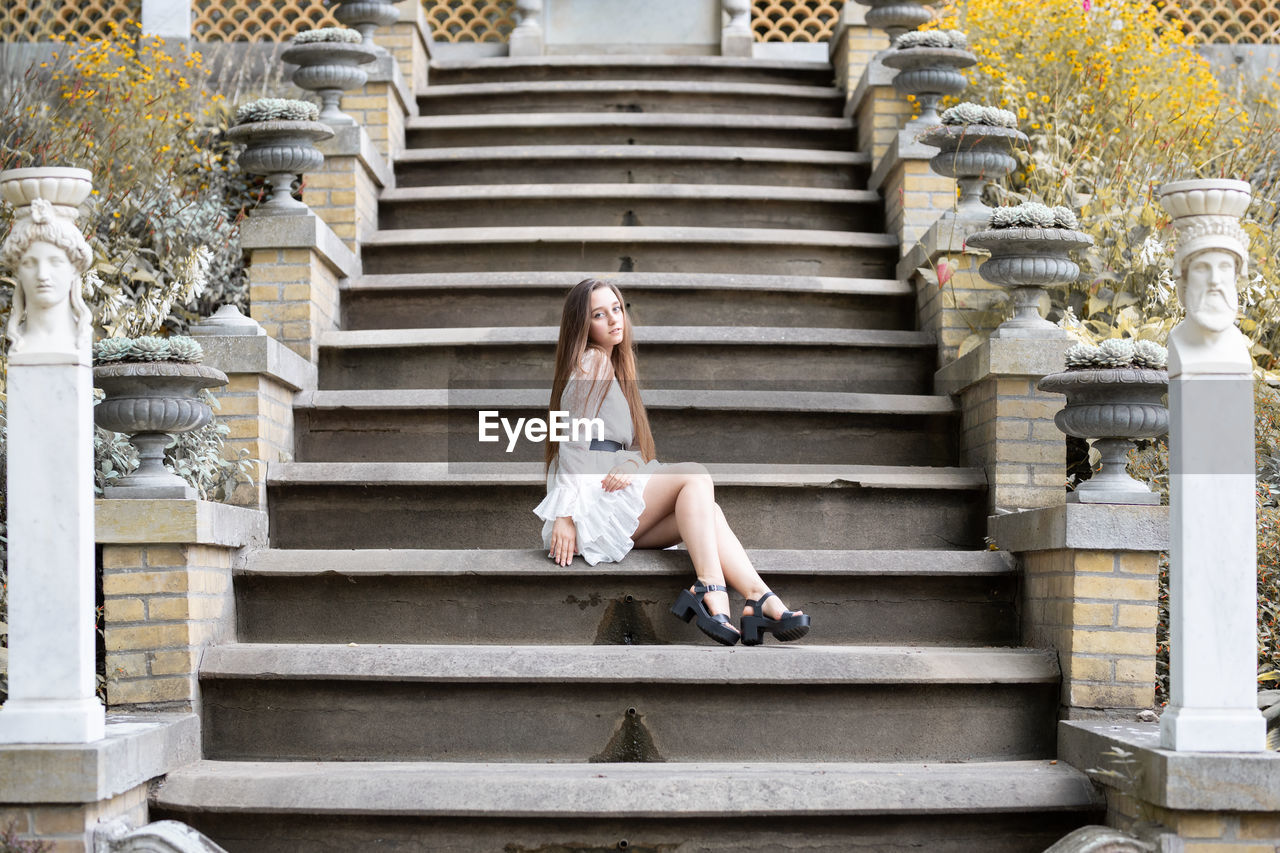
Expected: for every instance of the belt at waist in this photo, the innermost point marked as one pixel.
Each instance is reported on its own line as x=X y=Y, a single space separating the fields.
x=606 y=445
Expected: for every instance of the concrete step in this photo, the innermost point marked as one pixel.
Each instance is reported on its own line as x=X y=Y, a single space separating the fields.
x=476 y=206
x=626 y=703
x=835 y=807
x=674 y=357
x=630 y=96
x=707 y=425
x=484 y=505
x=775 y=251
x=442 y=300
x=632 y=164
x=769 y=131
x=720 y=69
x=954 y=598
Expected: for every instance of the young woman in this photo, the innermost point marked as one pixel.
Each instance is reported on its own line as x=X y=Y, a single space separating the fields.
x=606 y=496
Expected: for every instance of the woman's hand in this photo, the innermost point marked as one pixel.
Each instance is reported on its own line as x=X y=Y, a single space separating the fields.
x=619 y=477
x=564 y=540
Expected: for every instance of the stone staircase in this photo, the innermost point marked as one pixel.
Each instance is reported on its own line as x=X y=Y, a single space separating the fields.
x=412 y=675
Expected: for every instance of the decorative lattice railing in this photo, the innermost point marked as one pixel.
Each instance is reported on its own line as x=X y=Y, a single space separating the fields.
x=470 y=20
x=256 y=20
x=794 y=20
x=40 y=20
x=1213 y=21
x=1227 y=21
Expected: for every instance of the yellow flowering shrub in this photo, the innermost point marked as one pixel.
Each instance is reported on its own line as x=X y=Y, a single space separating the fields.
x=147 y=120
x=1116 y=101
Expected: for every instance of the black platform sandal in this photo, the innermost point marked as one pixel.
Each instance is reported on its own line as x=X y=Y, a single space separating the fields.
x=792 y=625
x=714 y=625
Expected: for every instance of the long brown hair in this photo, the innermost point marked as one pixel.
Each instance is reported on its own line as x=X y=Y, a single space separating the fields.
x=575 y=323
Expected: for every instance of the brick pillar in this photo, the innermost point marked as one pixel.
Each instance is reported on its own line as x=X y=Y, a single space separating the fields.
x=382 y=106
x=1090 y=591
x=60 y=794
x=296 y=266
x=853 y=45
x=409 y=41
x=1007 y=423
x=344 y=191
x=952 y=300
x=257 y=403
x=915 y=196
x=1179 y=802
x=878 y=111
x=166 y=584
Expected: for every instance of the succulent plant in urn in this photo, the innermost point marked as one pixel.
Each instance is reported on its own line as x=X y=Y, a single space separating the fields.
x=329 y=61
x=929 y=64
x=279 y=137
x=977 y=145
x=1030 y=247
x=1114 y=395
x=151 y=387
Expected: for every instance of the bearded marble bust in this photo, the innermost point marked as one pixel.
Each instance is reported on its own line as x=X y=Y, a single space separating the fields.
x=1209 y=268
x=49 y=257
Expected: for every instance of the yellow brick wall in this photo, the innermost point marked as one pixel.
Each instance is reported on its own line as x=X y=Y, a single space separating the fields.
x=406 y=41
x=1098 y=610
x=879 y=116
x=914 y=199
x=377 y=108
x=344 y=193
x=68 y=828
x=259 y=412
x=957 y=309
x=1200 y=831
x=163 y=604
x=295 y=296
x=860 y=44
x=1007 y=429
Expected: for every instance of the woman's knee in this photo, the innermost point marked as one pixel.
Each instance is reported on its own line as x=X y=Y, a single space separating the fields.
x=719 y=511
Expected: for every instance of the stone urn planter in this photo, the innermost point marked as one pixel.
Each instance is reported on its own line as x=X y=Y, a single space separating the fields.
x=895 y=16
x=1114 y=406
x=150 y=401
x=1029 y=252
x=64 y=187
x=365 y=16
x=279 y=145
x=974 y=152
x=1206 y=197
x=928 y=66
x=329 y=66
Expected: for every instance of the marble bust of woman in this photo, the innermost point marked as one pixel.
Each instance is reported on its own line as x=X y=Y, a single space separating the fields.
x=49 y=257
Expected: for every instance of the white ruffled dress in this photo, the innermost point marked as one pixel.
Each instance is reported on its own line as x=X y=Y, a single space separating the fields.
x=604 y=520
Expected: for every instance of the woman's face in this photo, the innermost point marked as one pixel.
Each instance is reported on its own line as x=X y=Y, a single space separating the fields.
x=45 y=275
x=607 y=319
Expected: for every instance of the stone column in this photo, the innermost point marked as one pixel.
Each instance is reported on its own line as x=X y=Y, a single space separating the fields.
x=50 y=467
x=736 y=38
x=168 y=19
x=1213 y=553
x=526 y=38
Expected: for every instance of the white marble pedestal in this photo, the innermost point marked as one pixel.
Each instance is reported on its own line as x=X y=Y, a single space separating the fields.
x=51 y=542
x=1213 y=565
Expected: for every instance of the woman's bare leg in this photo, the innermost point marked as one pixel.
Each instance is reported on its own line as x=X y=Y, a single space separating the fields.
x=684 y=494
x=738 y=570
x=666 y=491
